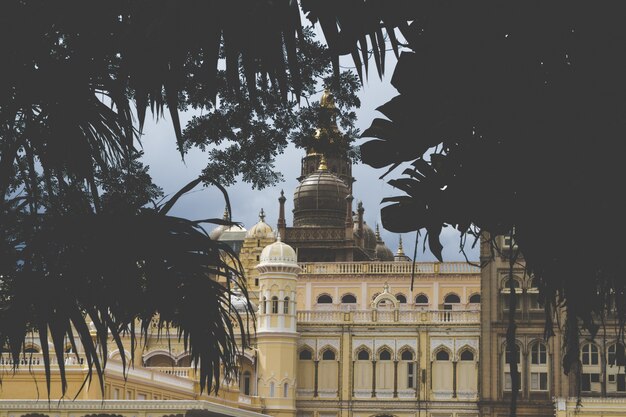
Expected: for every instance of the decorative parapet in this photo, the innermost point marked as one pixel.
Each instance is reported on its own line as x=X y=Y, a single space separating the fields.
x=390 y=316
x=590 y=406
x=34 y=360
x=391 y=268
x=120 y=407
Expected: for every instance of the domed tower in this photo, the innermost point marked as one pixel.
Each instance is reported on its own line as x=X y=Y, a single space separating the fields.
x=382 y=252
x=337 y=160
x=320 y=200
x=258 y=237
x=276 y=328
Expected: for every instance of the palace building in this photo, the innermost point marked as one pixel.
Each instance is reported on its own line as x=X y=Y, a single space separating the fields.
x=342 y=330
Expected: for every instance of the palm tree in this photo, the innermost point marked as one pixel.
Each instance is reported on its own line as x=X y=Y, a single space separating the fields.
x=75 y=79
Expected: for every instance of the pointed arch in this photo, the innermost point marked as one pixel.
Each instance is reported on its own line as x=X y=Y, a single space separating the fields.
x=438 y=349
x=327 y=348
x=363 y=348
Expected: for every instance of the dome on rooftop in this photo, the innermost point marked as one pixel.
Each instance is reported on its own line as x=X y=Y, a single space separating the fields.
x=261 y=230
x=382 y=252
x=320 y=199
x=278 y=253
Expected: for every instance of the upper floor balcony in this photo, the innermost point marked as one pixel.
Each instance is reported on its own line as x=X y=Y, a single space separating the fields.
x=390 y=316
x=388 y=268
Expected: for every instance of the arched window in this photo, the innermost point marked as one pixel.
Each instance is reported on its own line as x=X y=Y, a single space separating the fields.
x=467 y=355
x=31 y=349
x=442 y=355
x=274 y=305
x=324 y=299
x=305 y=355
x=421 y=299
x=246 y=383
x=538 y=367
x=363 y=355
x=407 y=355
x=452 y=299
x=474 y=299
x=328 y=355
x=384 y=355
x=348 y=299
x=616 y=355
x=272 y=389
x=506 y=284
x=286 y=305
x=508 y=357
x=590 y=354
x=285 y=390
x=442 y=372
x=615 y=371
x=590 y=378
x=401 y=298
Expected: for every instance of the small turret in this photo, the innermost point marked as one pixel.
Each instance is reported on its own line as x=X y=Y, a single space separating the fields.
x=400 y=256
x=276 y=328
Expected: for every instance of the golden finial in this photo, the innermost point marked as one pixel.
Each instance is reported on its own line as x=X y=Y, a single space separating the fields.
x=323 y=166
x=400 y=249
x=262 y=216
x=327 y=100
x=225 y=215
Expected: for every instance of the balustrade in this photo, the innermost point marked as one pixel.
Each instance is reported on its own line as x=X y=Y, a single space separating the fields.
x=390 y=316
x=36 y=359
x=379 y=268
x=170 y=370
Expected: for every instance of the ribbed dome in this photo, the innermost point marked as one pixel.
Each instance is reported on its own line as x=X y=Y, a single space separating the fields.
x=239 y=302
x=320 y=200
x=278 y=253
x=260 y=230
x=382 y=252
x=369 y=238
x=216 y=233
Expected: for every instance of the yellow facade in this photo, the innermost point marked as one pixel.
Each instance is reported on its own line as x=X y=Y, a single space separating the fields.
x=344 y=329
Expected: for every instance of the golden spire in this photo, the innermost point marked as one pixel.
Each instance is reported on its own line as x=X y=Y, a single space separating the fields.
x=378 y=239
x=327 y=101
x=400 y=249
x=323 y=166
x=225 y=215
x=262 y=216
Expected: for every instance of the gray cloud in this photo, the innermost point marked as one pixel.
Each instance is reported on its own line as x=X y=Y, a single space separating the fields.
x=171 y=173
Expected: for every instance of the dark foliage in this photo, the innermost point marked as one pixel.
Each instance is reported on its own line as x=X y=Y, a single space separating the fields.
x=512 y=118
x=78 y=242
x=244 y=132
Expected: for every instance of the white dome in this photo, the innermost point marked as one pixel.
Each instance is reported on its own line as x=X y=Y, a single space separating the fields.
x=239 y=302
x=278 y=253
x=261 y=230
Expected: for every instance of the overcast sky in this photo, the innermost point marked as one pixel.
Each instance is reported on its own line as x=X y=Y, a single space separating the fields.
x=171 y=173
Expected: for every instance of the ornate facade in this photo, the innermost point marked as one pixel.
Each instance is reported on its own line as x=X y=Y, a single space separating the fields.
x=344 y=331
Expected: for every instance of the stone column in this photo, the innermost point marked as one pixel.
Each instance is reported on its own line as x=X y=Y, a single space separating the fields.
x=317 y=362
x=373 y=379
x=395 y=379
